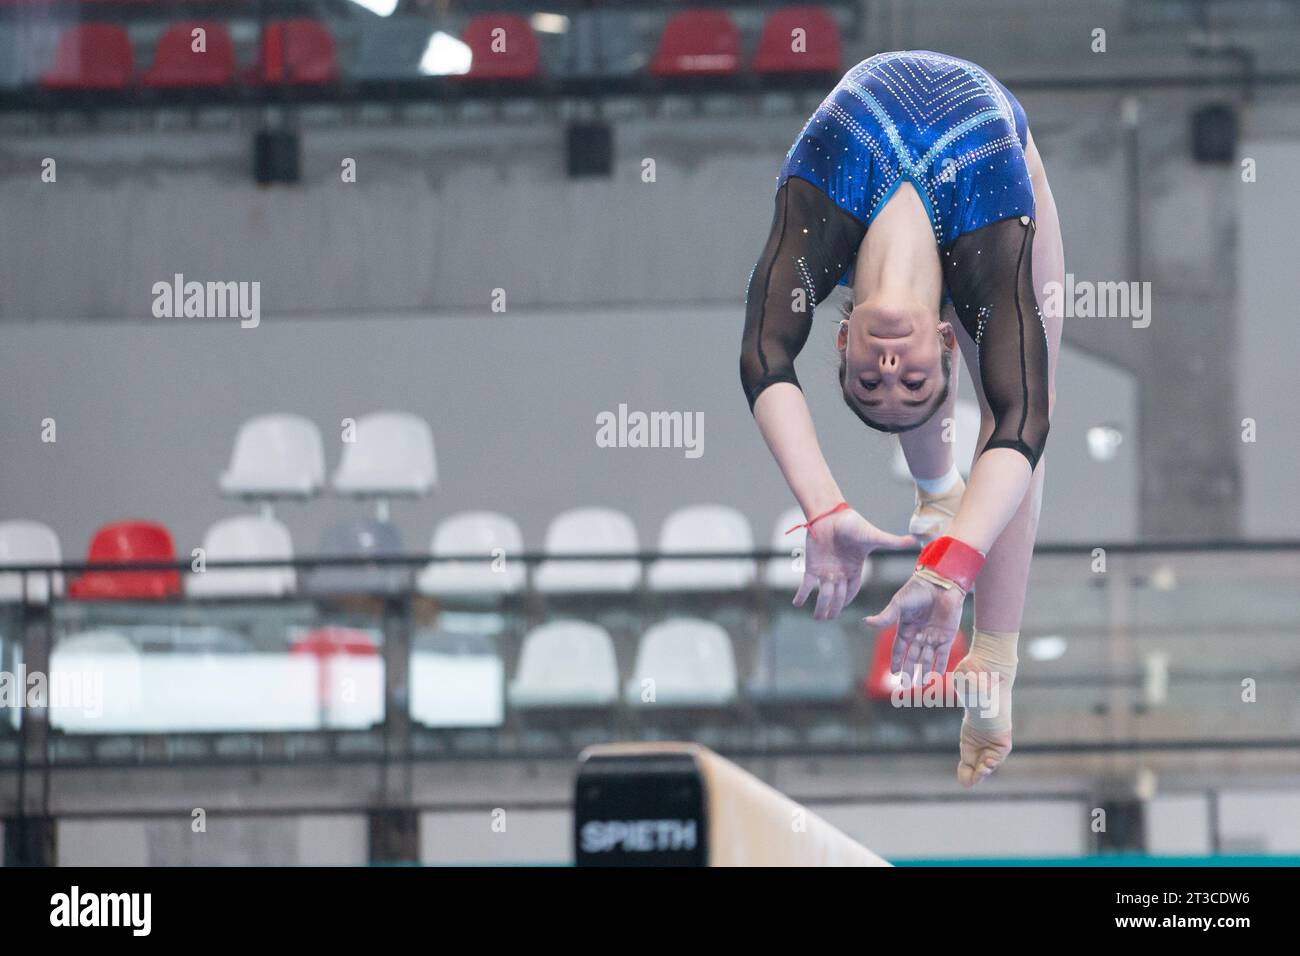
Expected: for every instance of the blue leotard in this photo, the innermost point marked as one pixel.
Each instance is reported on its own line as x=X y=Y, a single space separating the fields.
x=943 y=124
x=954 y=132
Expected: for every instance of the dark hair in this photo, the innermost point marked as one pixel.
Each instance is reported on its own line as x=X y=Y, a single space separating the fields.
x=945 y=365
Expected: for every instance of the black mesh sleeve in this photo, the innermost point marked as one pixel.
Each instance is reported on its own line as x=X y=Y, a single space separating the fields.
x=989 y=278
x=811 y=243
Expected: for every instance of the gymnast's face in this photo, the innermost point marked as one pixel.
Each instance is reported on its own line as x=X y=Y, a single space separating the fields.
x=895 y=365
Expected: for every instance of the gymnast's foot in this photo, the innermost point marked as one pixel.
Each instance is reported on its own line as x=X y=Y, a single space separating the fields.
x=935 y=510
x=983 y=681
x=982 y=752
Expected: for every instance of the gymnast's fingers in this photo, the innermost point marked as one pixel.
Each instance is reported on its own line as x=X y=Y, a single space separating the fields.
x=913 y=656
x=853 y=585
x=941 y=658
x=927 y=660
x=886 y=617
x=805 y=588
x=901 y=542
x=825 y=596
x=837 y=604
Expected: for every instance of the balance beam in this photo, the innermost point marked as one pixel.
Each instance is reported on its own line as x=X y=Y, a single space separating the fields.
x=680 y=804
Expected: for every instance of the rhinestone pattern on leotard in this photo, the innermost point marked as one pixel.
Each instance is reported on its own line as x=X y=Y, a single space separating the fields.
x=940 y=122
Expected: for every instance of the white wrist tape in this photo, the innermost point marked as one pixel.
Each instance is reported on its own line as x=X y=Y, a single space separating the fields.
x=988 y=674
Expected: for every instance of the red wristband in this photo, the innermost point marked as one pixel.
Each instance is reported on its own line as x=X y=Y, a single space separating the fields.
x=842 y=506
x=952 y=559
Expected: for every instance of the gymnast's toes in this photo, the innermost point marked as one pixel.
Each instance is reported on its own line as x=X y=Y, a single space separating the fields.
x=982 y=752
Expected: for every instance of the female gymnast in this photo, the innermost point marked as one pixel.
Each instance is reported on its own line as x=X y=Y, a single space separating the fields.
x=917 y=184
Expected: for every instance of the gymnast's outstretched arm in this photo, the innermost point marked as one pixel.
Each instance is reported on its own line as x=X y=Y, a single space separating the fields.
x=810 y=241
x=989 y=276
x=1000 y=597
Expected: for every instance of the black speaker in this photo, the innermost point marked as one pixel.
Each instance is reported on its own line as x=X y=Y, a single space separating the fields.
x=1214 y=133
x=590 y=150
x=275 y=157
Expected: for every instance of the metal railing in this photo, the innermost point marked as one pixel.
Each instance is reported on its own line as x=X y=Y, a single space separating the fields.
x=1122 y=645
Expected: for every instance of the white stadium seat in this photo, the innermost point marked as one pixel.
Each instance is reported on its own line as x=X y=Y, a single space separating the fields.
x=244 y=538
x=690 y=662
x=703 y=528
x=391 y=454
x=96 y=683
x=29 y=542
x=566 y=664
x=278 y=455
x=457 y=680
x=782 y=572
x=475 y=532
x=589 y=531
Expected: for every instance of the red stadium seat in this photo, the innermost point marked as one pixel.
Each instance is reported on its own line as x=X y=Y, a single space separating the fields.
x=326 y=643
x=879 y=683
x=298 y=51
x=129 y=542
x=91 y=56
x=817 y=49
x=504 y=47
x=698 y=43
x=177 y=64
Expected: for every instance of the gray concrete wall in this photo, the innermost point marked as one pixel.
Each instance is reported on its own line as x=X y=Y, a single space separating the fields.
x=297 y=840
x=1269 y=303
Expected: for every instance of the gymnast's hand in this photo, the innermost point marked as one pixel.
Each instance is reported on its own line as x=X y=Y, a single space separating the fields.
x=927 y=617
x=834 y=552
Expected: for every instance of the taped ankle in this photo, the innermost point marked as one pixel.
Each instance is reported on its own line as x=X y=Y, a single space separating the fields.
x=989 y=672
